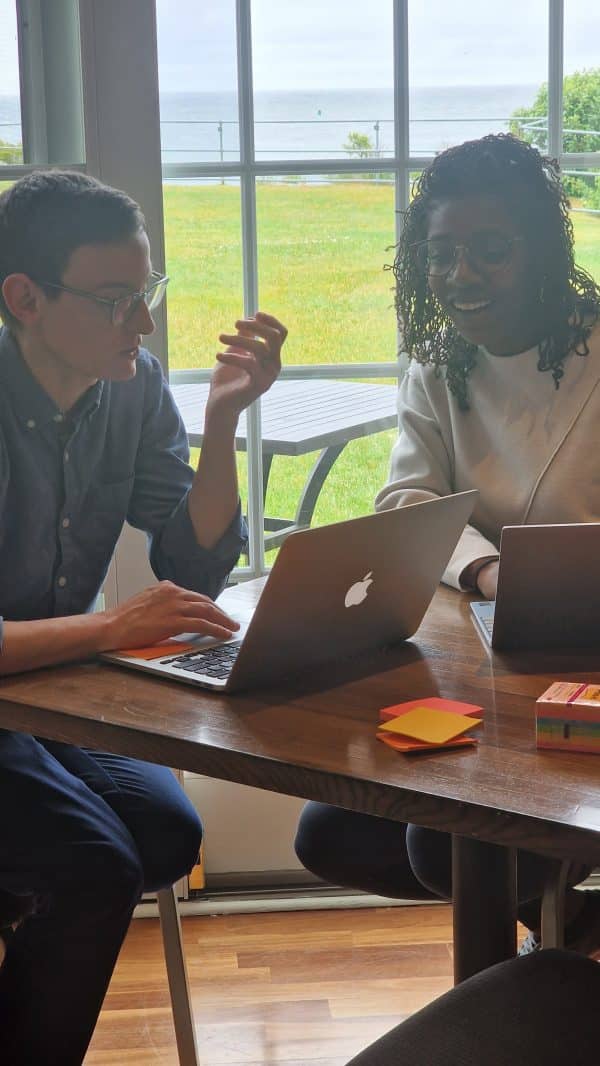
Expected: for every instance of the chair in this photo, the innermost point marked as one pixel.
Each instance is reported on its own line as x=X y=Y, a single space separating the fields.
x=181 y=1006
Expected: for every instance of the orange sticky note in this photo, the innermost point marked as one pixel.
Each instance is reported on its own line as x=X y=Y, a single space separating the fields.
x=439 y=704
x=158 y=651
x=430 y=725
x=416 y=747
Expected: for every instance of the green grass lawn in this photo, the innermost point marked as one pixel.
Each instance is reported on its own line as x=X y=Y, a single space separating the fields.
x=322 y=252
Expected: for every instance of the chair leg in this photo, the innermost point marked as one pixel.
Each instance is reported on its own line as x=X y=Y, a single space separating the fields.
x=177 y=974
x=553 y=907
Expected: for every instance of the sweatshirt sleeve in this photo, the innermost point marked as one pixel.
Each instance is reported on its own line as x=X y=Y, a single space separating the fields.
x=422 y=467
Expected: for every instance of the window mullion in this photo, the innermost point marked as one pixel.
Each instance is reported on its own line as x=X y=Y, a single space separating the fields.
x=401 y=120
x=250 y=270
x=555 y=77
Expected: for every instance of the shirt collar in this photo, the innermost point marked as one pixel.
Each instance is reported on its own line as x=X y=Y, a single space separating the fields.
x=29 y=400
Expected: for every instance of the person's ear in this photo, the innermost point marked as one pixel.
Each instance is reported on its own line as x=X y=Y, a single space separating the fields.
x=22 y=297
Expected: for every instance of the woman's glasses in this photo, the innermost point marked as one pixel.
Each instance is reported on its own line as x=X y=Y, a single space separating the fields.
x=486 y=252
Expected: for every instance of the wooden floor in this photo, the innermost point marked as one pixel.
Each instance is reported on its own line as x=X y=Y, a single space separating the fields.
x=304 y=988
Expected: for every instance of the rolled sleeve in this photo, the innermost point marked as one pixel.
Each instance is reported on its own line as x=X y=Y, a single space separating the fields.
x=175 y=554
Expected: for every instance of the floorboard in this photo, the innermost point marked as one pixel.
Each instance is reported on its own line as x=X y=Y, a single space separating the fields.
x=302 y=988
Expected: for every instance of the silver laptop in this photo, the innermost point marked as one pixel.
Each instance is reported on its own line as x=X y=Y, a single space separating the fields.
x=334 y=592
x=548 y=589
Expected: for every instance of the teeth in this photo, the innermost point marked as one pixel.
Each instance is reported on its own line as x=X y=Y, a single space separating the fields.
x=471 y=307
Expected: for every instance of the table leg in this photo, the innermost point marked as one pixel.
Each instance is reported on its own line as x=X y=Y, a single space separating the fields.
x=314 y=484
x=267 y=459
x=484 y=886
x=277 y=529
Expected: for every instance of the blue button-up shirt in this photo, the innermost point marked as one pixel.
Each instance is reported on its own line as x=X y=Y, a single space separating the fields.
x=68 y=483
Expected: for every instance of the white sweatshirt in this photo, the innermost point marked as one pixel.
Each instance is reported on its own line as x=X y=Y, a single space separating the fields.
x=532 y=450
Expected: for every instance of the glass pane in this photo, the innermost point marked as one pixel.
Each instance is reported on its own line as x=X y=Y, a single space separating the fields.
x=581 y=87
x=354 y=423
x=11 y=137
x=583 y=186
x=197 y=71
x=323 y=77
x=482 y=63
x=204 y=263
x=322 y=248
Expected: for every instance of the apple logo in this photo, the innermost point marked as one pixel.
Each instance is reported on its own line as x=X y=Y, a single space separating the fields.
x=358 y=591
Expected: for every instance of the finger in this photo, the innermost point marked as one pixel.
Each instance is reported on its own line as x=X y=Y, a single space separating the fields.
x=210 y=629
x=261 y=330
x=252 y=364
x=245 y=344
x=211 y=614
x=270 y=320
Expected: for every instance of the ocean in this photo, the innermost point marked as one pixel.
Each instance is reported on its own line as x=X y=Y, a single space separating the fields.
x=202 y=126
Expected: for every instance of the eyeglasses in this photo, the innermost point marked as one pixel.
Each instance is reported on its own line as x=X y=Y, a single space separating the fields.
x=124 y=307
x=487 y=253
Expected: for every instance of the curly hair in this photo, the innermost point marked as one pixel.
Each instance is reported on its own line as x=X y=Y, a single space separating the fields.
x=529 y=184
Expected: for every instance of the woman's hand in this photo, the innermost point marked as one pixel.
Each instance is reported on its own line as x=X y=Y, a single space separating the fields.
x=487 y=579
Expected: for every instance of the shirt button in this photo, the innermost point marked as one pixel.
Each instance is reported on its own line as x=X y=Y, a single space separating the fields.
x=59 y=418
x=31 y=423
x=62 y=582
x=66 y=522
x=66 y=457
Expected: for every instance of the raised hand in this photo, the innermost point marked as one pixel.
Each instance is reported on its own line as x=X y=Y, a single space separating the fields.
x=249 y=364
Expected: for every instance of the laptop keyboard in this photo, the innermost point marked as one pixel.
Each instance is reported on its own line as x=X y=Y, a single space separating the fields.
x=214 y=662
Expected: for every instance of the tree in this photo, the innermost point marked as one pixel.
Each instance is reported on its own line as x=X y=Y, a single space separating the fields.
x=581 y=111
x=10 y=153
x=359 y=144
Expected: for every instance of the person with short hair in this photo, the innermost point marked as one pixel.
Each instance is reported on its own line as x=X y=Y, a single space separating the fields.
x=502 y=394
x=90 y=437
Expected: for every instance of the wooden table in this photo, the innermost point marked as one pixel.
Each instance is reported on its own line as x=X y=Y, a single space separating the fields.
x=298 y=417
x=316 y=739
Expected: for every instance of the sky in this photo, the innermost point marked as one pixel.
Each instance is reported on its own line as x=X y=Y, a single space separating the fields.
x=330 y=44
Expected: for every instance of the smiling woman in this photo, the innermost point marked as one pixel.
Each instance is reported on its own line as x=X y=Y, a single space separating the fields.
x=502 y=395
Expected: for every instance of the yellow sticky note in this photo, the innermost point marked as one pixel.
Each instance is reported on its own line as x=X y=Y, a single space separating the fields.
x=430 y=725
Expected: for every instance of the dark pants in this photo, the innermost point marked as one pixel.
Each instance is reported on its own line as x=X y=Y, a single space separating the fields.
x=86 y=833
x=400 y=861
x=536 y=1011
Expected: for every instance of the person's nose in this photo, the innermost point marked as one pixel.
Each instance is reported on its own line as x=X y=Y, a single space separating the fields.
x=462 y=270
x=142 y=320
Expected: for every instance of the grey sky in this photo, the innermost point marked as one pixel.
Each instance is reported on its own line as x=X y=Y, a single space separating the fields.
x=331 y=44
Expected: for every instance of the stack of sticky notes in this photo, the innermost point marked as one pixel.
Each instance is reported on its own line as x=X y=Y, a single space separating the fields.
x=430 y=724
x=567 y=717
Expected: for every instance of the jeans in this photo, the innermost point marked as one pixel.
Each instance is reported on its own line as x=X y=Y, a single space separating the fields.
x=401 y=861
x=86 y=832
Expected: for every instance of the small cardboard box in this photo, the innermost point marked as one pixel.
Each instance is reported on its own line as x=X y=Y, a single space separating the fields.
x=567 y=717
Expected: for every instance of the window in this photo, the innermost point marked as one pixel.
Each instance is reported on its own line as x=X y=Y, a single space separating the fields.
x=289 y=136
x=581 y=127
x=41 y=95
x=11 y=134
x=480 y=64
